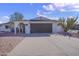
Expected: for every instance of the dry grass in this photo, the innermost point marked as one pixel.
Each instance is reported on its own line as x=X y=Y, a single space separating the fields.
x=8 y=43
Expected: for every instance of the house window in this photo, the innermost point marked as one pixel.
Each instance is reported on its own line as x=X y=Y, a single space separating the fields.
x=6 y=26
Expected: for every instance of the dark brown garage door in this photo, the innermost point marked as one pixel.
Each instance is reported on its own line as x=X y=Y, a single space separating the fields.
x=41 y=28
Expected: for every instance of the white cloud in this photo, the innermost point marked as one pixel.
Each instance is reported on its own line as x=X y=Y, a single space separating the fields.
x=48 y=7
x=76 y=6
x=62 y=7
x=46 y=12
x=69 y=7
x=38 y=13
x=44 y=15
x=0 y=22
x=59 y=4
x=76 y=10
x=62 y=10
x=52 y=18
x=4 y=19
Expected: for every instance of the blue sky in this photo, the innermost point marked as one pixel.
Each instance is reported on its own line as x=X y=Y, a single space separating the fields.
x=31 y=10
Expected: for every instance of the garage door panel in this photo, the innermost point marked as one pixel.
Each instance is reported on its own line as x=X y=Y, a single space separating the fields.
x=41 y=28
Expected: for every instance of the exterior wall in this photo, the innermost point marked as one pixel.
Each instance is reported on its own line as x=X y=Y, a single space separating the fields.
x=27 y=29
x=3 y=29
x=56 y=28
x=27 y=26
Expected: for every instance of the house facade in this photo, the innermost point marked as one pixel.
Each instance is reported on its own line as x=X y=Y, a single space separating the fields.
x=35 y=25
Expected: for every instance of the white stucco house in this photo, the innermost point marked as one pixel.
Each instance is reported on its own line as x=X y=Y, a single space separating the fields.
x=34 y=25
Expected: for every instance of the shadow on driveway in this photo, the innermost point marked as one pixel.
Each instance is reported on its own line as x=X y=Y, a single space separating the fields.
x=25 y=35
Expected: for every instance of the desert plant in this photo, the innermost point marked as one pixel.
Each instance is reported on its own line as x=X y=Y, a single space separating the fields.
x=67 y=23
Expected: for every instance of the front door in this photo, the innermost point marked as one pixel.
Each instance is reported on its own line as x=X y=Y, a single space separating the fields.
x=21 y=28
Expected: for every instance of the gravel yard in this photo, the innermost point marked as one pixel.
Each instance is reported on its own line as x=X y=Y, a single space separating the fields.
x=8 y=43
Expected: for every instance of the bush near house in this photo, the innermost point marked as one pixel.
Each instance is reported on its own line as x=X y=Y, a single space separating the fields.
x=68 y=23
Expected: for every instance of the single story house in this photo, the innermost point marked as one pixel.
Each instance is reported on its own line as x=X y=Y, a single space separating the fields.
x=76 y=27
x=34 y=25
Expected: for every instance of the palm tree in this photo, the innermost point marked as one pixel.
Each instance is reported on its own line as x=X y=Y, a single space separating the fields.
x=68 y=23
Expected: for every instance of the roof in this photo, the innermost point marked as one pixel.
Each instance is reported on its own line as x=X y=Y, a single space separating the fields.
x=41 y=18
x=4 y=23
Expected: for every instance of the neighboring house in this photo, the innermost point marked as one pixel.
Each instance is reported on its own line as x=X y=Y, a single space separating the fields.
x=4 y=27
x=35 y=25
x=76 y=27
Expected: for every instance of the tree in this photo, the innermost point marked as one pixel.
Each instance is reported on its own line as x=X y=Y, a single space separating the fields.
x=67 y=23
x=16 y=16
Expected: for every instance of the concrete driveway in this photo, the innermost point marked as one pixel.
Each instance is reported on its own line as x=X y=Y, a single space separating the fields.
x=54 y=45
